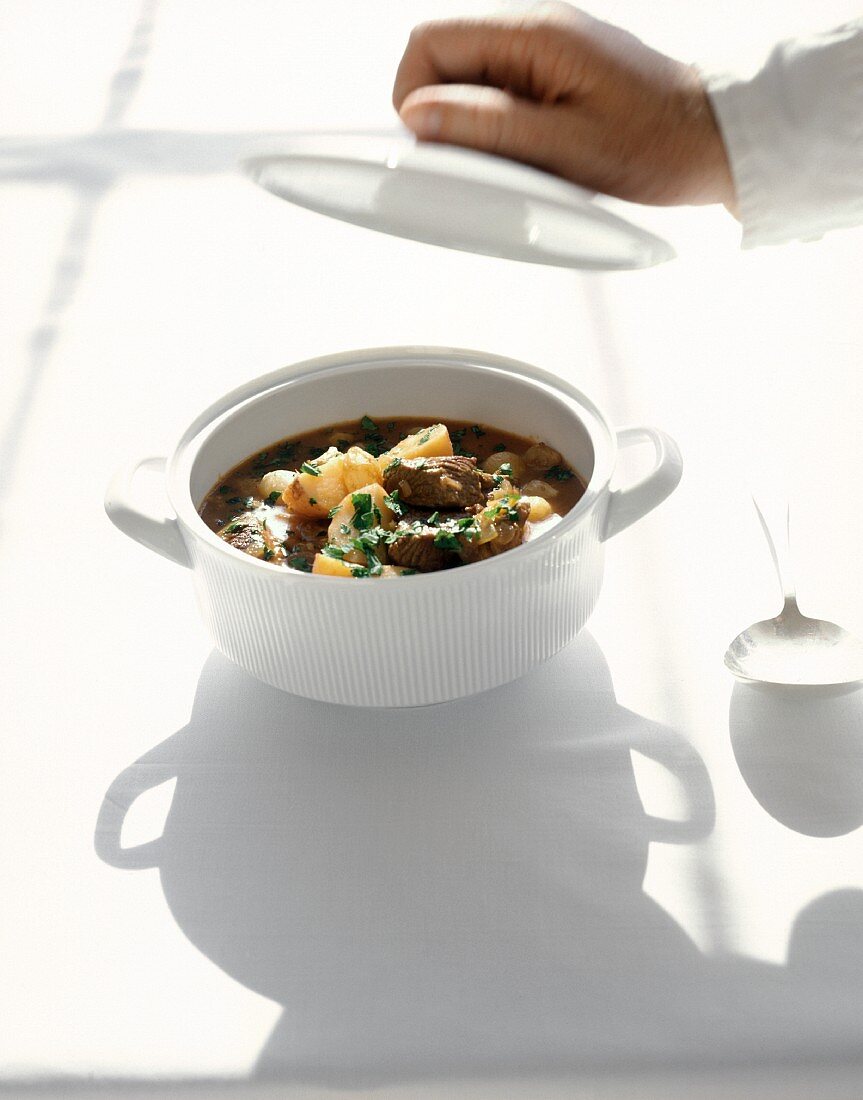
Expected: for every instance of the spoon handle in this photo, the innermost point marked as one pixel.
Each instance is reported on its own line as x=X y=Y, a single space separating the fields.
x=780 y=551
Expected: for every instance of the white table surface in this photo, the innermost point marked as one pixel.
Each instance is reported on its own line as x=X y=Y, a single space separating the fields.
x=481 y=899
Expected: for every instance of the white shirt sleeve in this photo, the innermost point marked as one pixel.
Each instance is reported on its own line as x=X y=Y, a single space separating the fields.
x=794 y=135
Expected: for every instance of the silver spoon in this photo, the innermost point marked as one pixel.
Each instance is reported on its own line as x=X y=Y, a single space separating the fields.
x=792 y=648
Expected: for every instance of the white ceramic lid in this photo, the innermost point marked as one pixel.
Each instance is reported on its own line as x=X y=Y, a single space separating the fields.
x=455 y=197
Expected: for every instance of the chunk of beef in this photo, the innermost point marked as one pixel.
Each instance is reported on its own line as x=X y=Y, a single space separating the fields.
x=415 y=547
x=305 y=536
x=418 y=552
x=450 y=482
x=246 y=533
x=510 y=533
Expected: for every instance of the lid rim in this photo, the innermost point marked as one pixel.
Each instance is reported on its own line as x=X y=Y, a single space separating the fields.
x=293 y=171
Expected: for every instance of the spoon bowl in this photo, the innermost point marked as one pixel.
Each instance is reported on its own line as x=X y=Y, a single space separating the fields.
x=793 y=648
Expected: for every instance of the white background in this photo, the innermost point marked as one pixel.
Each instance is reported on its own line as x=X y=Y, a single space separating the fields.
x=140 y=277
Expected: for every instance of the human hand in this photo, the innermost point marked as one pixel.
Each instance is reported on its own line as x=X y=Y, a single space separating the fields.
x=555 y=88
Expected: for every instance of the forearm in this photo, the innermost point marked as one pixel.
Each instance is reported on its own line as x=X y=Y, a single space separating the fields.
x=794 y=136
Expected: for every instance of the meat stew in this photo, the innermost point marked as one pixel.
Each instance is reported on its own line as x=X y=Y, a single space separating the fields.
x=389 y=497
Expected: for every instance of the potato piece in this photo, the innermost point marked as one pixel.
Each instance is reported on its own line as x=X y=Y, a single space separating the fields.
x=276 y=481
x=433 y=442
x=326 y=566
x=346 y=516
x=314 y=494
x=542 y=457
x=360 y=469
x=396 y=571
x=537 y=488
x=539 y=508
x=493 y=462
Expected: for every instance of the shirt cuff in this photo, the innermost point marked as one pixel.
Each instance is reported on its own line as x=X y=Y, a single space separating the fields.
x=794 y=136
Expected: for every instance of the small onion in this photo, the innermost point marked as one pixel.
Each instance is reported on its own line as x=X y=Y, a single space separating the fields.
x=276 y=481
x=539 y=508
x=506 y=533
x=537 y=488
x=542 y=457
x=493 y=462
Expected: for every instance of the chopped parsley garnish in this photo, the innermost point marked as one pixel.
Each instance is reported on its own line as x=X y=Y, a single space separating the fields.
x=433 y=519
x=313 y=500
x=374 y=564
x=424 y=438
x=446 y=541
x=560 y=473
x=299 y=562
x=330 y=551
x=457 y=449
x=268 y=554
x=500 y=447
x=375 y=443
x=394 y=503
x=459 y=433
x=465 y=522
x=332 y=512
x=273 y=497
x=235 y=500
x=360 y=571
x=344 y=528
x=224 y=489
x=340 y=443
x=263 y=456
x=402 y=532
x=308 y=468
x=505 y=469
x=369 y=539
x=394 y=465
x=366 y=514
x=477 y=430
x=409 y=572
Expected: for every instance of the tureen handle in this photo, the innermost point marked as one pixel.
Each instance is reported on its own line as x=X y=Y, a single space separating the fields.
x=161 y=534
x=628 y=505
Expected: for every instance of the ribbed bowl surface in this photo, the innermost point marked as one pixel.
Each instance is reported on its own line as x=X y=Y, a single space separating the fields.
x=402 y=643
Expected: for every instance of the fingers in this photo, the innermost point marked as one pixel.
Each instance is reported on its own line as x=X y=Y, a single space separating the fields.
x=553 y=87
x=522 y=53
x=487 y=119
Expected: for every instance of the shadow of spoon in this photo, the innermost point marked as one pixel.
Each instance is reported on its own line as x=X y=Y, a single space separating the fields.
x=800 y=752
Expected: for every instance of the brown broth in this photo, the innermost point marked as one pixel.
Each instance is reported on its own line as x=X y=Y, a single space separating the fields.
x=239 y=491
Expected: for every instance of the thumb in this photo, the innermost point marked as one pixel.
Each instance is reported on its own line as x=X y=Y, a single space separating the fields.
x=488 y=119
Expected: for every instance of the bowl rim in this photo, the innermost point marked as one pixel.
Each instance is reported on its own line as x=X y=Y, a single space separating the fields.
x=219 y=412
